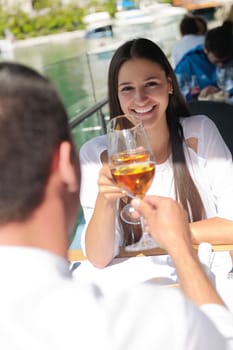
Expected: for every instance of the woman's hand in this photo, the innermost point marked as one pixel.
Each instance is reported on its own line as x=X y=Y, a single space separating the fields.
x=107 y=185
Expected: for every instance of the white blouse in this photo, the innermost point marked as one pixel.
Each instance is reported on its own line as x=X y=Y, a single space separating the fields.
x=210 y=166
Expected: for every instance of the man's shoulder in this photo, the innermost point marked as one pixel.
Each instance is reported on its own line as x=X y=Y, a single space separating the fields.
x=192 y=55
x=197 y=50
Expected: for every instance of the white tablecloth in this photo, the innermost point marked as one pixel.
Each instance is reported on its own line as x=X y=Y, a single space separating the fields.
x=122 y=274
x=222 y=264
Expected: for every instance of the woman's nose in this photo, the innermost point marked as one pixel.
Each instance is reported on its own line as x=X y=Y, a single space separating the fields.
x=140 y=95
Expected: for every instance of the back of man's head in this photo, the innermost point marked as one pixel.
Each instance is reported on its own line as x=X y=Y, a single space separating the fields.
x=219 y=42
x=33 y=122
x=201 y=24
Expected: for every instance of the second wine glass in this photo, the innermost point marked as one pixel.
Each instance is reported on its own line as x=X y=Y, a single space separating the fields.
x=132 y=165
x=225 y=78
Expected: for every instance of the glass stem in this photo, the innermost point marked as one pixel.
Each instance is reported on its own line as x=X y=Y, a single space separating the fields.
x=142 y=224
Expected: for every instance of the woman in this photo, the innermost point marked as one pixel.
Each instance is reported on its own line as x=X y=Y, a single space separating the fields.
x=193 y=164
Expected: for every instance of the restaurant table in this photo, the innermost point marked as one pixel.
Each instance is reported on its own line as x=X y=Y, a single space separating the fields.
x=126 y=272
x=197 y=5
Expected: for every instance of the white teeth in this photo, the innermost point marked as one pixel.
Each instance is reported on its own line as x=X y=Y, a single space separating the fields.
x=143 y=110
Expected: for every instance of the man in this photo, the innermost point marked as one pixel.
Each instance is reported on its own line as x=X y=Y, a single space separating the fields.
x=39 y=186
x=41 y=306
x=203 y=60
x=192 y=30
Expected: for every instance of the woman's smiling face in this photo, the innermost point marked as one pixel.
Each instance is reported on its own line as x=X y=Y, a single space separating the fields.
x=143 y=90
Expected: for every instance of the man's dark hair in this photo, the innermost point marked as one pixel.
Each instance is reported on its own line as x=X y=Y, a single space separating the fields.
x=189 y=25
x=33 y=122
x=201 y=24
x=219 y=41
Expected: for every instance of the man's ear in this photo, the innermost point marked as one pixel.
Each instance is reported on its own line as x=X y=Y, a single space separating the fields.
x=66 y=168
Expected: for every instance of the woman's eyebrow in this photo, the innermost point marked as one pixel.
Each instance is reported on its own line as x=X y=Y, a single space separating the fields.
x=146 y=79
x=152 y=77
x=124 y=83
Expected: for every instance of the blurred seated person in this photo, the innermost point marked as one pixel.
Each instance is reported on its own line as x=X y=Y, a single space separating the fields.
x=192 y=30
x=203 y=60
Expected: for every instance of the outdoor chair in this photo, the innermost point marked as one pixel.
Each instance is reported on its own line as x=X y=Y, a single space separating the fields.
x=222 y=115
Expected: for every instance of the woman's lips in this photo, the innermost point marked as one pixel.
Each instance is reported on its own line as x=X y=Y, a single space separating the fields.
x=144 y=112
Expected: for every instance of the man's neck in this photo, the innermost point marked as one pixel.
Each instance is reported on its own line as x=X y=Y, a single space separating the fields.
x=45 y=229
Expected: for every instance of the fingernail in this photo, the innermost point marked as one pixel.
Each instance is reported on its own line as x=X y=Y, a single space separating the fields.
x=135 y=202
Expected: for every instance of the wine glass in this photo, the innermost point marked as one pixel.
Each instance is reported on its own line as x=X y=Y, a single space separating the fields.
x=183 y=83
x=225 y=78
x=132 y=165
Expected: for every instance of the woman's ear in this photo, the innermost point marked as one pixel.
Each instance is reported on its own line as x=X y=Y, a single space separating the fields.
x=67 y=169
x=170 y=88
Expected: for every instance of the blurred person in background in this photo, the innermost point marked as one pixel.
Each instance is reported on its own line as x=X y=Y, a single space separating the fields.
x=192 y=30
x=202 y=61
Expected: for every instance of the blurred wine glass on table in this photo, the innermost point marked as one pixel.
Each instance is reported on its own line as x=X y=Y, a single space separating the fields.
x=194 y=88
x=225 y=78
x=132 y=165
x=183 y=83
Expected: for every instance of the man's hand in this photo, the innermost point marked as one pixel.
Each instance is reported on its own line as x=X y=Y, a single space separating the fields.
x=166 y=221
x=209 y=90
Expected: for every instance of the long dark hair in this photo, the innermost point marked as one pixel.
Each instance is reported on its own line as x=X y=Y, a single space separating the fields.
x=185 y=189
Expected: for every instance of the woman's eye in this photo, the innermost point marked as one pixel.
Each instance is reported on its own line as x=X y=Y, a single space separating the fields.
x=152 y=84
x=126 y=89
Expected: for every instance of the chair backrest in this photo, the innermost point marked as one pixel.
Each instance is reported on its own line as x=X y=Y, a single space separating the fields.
x=222 y=115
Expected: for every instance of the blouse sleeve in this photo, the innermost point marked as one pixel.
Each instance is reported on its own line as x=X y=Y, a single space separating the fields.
x=216 y=159
x=91 y=164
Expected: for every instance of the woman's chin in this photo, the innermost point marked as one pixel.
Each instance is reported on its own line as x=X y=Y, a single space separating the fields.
x=147 y=120
x=144 y=117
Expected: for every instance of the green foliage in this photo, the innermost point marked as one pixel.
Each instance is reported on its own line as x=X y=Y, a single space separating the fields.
x=41 y=4
x=97 y=6
x=110 y=6
x=58 y=19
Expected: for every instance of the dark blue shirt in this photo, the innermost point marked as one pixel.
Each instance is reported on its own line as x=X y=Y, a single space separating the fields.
x=195 y=62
